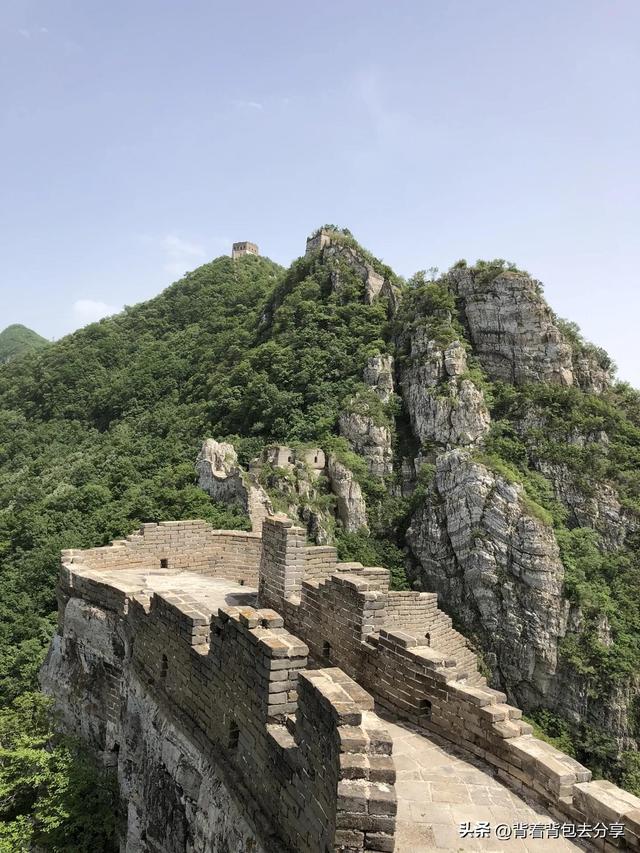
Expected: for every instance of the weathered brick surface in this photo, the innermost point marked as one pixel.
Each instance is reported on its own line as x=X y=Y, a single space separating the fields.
x=320 y=562
x=404 y=650
x=178 y=546
x=302 y=747
x=283 y=560
x=305 y=744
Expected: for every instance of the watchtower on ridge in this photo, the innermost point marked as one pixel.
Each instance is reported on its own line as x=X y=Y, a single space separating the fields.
x=244 y=248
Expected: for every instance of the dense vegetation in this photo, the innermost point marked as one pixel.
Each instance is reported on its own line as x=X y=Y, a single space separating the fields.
x=52 y=793
x=17 y=340
x=602 y=582
x=99 y=432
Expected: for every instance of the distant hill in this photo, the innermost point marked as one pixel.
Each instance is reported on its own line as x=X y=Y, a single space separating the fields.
x=16 y=340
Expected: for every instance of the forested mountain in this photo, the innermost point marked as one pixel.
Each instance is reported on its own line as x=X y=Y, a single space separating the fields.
x=502 y=435
x=16 y=340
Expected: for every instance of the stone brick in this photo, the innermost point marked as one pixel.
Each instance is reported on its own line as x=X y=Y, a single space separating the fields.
x=295 y=737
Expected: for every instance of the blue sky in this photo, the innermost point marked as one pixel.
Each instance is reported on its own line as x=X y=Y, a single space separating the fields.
x=138 y=139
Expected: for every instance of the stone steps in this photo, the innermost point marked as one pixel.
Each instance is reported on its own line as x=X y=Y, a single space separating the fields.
x=442 y=636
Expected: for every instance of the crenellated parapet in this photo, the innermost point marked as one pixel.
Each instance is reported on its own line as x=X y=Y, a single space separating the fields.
x=302 y=749
x=168 y=615
x=404 y=650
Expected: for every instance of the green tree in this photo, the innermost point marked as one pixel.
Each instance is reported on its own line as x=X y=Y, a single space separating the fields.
x=53 y=794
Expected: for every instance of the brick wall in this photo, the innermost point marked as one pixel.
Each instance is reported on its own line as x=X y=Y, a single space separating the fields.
x=180 y=546
x=307 y=756
x=283 y=560
x=397 y=645
x=410 y=608
x=320 y=562
x=404 y=650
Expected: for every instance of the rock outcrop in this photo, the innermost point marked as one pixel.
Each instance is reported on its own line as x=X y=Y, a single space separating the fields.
x=221 y=476
x=368 y=430
x=370 y=440
x=515 y=334
x=296 y=486
x=512 y=328
x=372 y=280
x=613 y=717
x=379 y=376
x=477 y=539
x=497 y=568
x=176 y=799
x=599 y=509
x=443 y=405
x=338 y=251
x=590 y=375
x=350 y=503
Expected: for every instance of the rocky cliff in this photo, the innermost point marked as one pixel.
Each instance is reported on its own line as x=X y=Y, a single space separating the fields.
x=455 y=431
x=365 y=423
x=516 y=500
x=176 y=796
x=522 y=508
x=444 y=405
x=515 y=334
x=498 y=569
x=220 y=475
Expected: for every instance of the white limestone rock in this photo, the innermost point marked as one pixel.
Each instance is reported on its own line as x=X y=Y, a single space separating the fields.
x=497 y=567
x=599 y=509
x=336 y=252
x=591 y=376
x=300 y=488
x=221 y=476
x=363 y=429
x=515 y=335
x=443 y=407
x=378 y=375
x=370 y=440
x=455 y=359
x=351 y=506
x=77 y=669
x=219 y=473
x=512 y=328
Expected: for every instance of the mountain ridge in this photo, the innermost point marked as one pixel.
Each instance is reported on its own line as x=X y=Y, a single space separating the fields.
x=428 y=403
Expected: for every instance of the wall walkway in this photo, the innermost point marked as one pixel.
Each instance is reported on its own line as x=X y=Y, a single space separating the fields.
x=238 y=675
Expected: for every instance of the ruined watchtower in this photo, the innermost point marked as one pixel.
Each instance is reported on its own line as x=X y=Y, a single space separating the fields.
x=243 y=248
x=319 y=240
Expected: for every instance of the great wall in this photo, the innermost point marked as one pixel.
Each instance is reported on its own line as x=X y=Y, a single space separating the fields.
x=257 y=695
